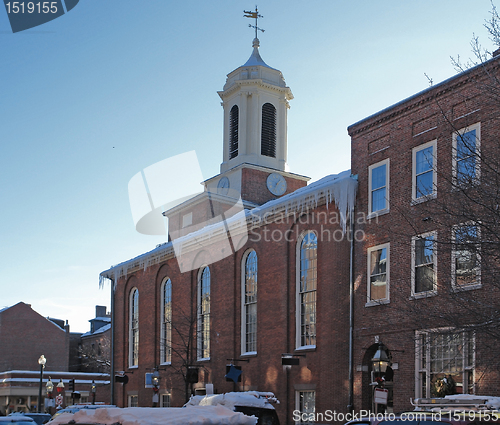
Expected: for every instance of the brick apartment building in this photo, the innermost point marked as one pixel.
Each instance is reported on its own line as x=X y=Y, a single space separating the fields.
x=279 y=284
x=289 y=282
x=426 y=273
x=25 y=335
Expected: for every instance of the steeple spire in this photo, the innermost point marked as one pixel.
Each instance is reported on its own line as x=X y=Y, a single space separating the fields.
x=254 y=15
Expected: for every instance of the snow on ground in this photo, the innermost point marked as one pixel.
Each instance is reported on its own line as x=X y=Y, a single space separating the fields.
x=192 y=415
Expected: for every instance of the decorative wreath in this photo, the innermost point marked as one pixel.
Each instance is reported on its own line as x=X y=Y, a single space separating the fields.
x=444 y=386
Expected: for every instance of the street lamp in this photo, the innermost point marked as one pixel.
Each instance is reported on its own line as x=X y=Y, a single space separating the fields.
x=41 y=361
x=93 y=391
x=380 y=361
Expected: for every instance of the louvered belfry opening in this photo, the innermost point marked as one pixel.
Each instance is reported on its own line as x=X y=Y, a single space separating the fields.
x=233 y=132
x=268 y=135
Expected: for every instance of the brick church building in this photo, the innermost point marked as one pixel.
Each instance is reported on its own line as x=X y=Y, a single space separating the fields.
x=299 y=286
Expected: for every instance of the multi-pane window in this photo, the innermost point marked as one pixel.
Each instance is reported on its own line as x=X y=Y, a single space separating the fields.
x=424 y=264
x=445 y=363
x=306 y=294
x=466 y=150
x=233 y=131
x=134 y=328
x=165 y=400
x=166 y=322
x=249 y=311
x=268 y=133
x=204 y=314
x=424 y=171
x=305 y=406
x=466 y=271
x=133 y=401
x=378 y=181
x=378 y=274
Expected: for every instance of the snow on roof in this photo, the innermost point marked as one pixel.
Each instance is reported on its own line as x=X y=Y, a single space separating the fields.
x=194 y=415
x=229 y=400
x=338 y=188
x=101 y=330
x=491 y=402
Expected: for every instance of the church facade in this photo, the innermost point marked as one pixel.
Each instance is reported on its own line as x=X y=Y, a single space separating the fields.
x=272 y=284
x=251 y=292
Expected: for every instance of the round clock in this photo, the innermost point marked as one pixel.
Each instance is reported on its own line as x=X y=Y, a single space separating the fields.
x=276 y=184
x=223 y=186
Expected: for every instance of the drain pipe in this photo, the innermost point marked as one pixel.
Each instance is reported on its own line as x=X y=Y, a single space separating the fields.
x=112 y=365
x=350 y=406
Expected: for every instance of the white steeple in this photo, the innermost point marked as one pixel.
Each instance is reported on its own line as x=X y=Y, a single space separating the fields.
x=255 y=101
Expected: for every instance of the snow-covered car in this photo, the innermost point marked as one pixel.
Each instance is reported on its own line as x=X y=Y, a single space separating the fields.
x=250 y=403
x=39 y=418
x=16 y=420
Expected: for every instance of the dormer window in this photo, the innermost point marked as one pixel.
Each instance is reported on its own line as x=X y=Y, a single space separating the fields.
x=233 y=132
x=268 y=135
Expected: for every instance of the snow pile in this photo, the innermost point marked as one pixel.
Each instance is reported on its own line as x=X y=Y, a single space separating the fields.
x=490 y=401
x=193 y=415
x=230 y=400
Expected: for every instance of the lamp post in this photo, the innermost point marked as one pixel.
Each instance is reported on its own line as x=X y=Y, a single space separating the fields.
x=60 y=389
x=93 y=392
x=49 y=386
x=380 y=361
x=41 y=361
x=156 y=387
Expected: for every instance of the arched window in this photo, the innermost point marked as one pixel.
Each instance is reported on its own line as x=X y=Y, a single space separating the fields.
x=233 y=131
x=204 y=313
x=306 y=290
x=249 y=304
x=134 y=328
x=166 y=322
x=268 y=134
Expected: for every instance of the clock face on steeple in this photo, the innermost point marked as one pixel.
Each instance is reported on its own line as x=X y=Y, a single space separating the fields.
x=276 y=184
x=223 y=186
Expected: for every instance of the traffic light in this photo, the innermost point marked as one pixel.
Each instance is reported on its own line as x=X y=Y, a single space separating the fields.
x=72 y=385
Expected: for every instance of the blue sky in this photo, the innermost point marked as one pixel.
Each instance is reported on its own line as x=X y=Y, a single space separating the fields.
x=99 y=94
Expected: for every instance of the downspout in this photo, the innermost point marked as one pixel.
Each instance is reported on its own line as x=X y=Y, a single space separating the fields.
x=350 y=406
x=112 y=368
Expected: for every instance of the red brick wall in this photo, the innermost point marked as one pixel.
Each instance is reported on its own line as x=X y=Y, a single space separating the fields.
x=25 y=336
x=323 y=369
x=393 y=134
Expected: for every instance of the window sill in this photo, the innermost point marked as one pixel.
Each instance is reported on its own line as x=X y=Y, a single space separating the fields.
x=249 y=354
x=469 y=287
x=374 y=303
x=134 y=367
x=423 y=199
x=376 y=214
x=205 y=359
x=306 y=348
x=421 y=295
x=166 y=364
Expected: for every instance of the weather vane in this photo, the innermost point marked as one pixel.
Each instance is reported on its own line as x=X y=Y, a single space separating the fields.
x=255 y=15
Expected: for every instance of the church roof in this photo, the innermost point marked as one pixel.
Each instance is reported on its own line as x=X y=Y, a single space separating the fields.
x=255 y=58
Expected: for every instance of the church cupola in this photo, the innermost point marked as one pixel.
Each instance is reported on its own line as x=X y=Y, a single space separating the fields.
x=255 y=101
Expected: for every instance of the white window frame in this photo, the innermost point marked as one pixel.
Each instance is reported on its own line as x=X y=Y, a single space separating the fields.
x=203 y=317
x=298 y=294
x=422 y=342
x=433 y=194
x=369 y=301
x=372 y=167
x=433 y=291
x=166 y=324
x=168 y=397
x=477 y=169
x=245 y=306
x=300 y=408
x=133 y=397
x=133 y=325
x=477 y=283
